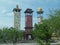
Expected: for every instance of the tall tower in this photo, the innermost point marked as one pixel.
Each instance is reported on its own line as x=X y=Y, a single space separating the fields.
x=28 y=22
x=39 y=16
x=17 y=17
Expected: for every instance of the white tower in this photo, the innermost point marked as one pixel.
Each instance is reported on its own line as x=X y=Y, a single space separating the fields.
x=39 y=16
x=17 y=17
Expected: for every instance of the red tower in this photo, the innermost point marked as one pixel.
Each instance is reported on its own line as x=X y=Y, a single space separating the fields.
x=28 y=23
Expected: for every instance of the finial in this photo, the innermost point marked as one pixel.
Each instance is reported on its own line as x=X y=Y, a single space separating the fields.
x=17 y=6
x=39 y=11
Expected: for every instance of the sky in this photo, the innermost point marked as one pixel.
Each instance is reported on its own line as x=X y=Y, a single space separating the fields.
x=7 y=6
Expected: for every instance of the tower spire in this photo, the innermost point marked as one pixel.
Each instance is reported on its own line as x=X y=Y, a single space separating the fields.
x=17 y=6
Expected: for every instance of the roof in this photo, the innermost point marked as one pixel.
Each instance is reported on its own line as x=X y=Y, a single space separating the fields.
x=17 y=9
x=28 y=10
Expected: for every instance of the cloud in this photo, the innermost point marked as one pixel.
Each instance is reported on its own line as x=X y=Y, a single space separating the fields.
x=7 y=2
x=4 y=11
x=6 y=7
x=10 y=14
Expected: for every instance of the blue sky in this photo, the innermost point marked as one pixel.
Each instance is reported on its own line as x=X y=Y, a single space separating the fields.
x=6 y=7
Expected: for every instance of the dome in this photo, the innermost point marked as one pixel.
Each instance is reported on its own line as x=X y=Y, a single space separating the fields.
x=39 y=11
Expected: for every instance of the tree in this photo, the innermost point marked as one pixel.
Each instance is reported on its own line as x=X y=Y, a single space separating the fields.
x=10 y=35
x=44 y=31
x=55 y=21
x=1 y=36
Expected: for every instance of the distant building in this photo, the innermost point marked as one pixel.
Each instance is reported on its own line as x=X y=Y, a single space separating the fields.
x=28 y=21
x=17 y=17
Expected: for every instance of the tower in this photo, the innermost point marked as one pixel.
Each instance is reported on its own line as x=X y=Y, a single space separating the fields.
x=28 y=23
x=39 y=16
x=17 y=17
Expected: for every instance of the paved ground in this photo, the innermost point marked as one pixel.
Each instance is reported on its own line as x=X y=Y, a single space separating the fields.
x=27 y=44
x=21 y=44
x=31 y=43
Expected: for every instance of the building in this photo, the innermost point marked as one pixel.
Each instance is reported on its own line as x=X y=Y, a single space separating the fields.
x=17 y=17
x=28 y=23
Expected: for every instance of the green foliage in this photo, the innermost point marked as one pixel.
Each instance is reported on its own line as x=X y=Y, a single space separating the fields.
x=10 y=35
x=40 y=42
x=55 y=21
x=58 y=44
x=44 y=31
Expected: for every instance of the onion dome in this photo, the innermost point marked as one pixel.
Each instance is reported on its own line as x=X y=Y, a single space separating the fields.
x=39 y=11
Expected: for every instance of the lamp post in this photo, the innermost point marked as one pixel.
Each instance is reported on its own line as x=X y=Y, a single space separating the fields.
x=39 y=15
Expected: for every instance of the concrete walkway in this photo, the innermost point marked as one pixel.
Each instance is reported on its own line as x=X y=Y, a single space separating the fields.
x=27 y=44
x=21 y=44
